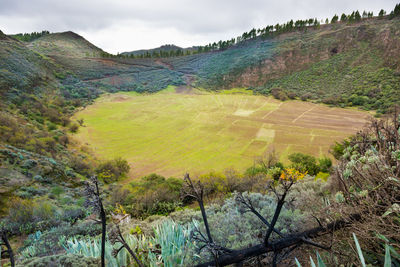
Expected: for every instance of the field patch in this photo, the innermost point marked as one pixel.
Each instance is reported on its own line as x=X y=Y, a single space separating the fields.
x=243 y=112
x=172 y=133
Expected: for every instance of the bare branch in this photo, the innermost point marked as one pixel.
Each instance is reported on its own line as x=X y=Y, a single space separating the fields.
x=4 y=238
x=116 y=236
x=249 y=205
x=283 y=243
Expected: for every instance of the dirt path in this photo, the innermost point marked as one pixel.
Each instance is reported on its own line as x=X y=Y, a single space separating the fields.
x=187 y=88
x=163 y=63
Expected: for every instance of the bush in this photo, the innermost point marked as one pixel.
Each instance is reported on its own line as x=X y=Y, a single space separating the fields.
x=24 y=216
x=233 y=228
x=304 y=163
x=112 y=170
x=243 y=229
x=154 y=194
x=62 y=260
x=73 y=127
x=325 y=164
x=72 y=214
x=279 y=94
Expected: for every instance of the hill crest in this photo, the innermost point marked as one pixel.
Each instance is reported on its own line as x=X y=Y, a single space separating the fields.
x=65 y=44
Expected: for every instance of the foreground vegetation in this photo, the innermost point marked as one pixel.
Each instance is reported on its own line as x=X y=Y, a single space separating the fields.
x=283 y=205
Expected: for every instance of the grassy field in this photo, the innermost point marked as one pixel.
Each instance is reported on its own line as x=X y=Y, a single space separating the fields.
x=170 y=133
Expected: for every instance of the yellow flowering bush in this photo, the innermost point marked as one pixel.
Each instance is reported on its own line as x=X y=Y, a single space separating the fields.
x=292 y=175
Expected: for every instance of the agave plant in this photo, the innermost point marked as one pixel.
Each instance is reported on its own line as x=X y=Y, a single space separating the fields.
x=32 y=251
x=387 y=263
x=174 y=240
x=91 y=247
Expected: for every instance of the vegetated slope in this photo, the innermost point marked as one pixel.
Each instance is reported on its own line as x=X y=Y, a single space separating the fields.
x=34 y=120
x=67 y=44
x=163 y=48
x=83 y=68
x=201 y=131
x=21 y=68
x=342 y=64
x=214 y=69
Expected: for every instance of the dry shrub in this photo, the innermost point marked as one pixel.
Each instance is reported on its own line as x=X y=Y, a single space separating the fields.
x=367 y=181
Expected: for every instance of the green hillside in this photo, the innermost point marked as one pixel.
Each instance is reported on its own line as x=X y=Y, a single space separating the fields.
x=271 y=125
x=67 y=44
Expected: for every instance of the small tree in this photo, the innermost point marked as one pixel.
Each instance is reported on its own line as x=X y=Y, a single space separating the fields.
x=334 y=19
x=382 y=13
x=4 y=241
x=115 y=237
x=357 y=16
x=279 y=247
x=94 y=201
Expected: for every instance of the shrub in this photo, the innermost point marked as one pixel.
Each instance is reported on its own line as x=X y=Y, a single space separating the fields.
x=291 y=95
x=366 y=179
x=112 y=170
x=73 y=127
x=62 y=260
x=304 y=163
x=325 y=164
x=154 y=194
x=26 y=215
x=57 y=191
x=72 y=214
x=80 y=165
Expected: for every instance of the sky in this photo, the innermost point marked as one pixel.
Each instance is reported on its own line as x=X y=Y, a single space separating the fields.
x=127 y=25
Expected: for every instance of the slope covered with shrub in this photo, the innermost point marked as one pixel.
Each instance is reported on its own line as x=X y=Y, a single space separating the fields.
x=42 y=175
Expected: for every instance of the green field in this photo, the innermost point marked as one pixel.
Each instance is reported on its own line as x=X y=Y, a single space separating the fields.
x=171 y=133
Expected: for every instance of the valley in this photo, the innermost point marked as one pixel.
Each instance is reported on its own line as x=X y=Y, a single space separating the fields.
x=171 y=133
x=272 y=148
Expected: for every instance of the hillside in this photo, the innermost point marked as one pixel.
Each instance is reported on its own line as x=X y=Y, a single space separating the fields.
x=20 y=67
x=163 y=48
x=270 y=128
x=68 y=44
x=363 y=69
x=340 y=64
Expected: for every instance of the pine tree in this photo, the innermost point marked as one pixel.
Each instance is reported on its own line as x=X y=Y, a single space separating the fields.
x=396 y=11
x=357 y=16
x=335 y=19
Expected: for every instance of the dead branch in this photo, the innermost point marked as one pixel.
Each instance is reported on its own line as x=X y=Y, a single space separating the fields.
x=281 y=244
x=4 y=239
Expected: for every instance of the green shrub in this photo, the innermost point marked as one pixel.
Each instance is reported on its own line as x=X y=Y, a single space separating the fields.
x=154 y=194
x=61 y=260
x=57 y=191
x=112 y=170
x=304 y=163
x=24 y=216
x=325 y=164
x=73 y=127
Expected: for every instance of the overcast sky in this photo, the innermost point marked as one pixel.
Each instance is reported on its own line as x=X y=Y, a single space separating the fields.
x=118 y=26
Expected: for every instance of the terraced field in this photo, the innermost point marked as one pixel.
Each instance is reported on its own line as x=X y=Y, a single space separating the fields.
x=170 y=133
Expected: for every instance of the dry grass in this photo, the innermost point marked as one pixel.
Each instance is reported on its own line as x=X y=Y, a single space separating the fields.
x=170 y=133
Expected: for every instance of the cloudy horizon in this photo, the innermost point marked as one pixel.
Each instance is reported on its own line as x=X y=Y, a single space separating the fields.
x=119 y=26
